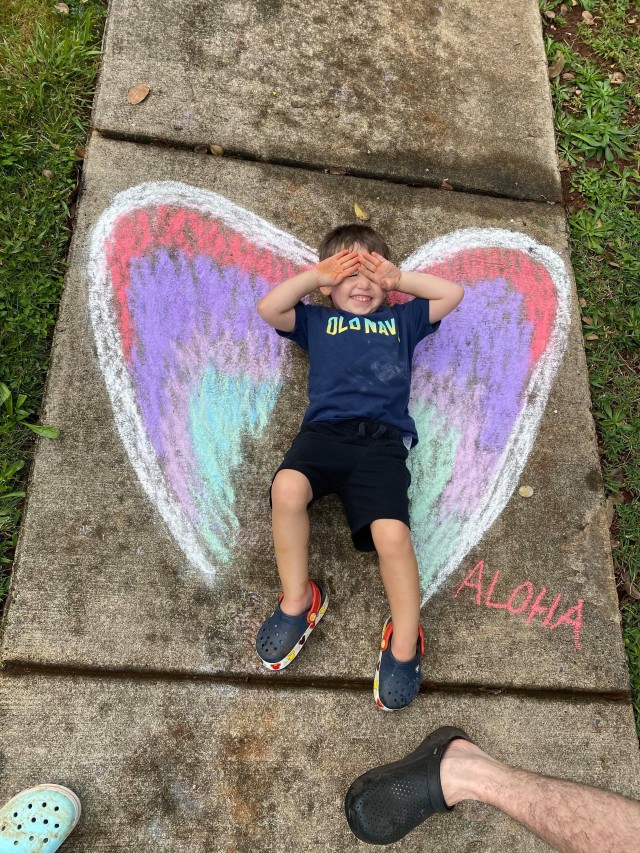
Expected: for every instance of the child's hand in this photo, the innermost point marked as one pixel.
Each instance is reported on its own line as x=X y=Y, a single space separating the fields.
x=335 y=269
x=380 y=271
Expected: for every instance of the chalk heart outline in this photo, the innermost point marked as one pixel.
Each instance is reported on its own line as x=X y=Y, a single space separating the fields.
x=263 y=235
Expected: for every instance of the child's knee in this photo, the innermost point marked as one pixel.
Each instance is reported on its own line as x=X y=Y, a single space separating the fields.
x=390 y=536
x=290 y=490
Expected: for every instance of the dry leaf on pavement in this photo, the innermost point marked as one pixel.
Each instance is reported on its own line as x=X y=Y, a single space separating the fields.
x=525 y=491
x=360 y=212
x=216 y=150
x=445 y=185
x=137 y=94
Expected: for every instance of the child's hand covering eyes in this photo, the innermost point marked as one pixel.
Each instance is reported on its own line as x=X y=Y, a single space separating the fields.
x=380 y=271
x=335 y=269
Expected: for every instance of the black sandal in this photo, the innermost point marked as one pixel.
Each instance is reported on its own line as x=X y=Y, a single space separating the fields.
x=386 y=803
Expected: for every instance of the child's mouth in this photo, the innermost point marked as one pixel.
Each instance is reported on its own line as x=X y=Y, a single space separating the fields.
x=363 y=299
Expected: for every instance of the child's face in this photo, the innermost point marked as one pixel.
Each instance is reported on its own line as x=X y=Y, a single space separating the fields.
x=356 y=293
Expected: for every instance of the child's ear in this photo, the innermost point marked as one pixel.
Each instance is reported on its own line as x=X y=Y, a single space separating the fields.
x=325 y=291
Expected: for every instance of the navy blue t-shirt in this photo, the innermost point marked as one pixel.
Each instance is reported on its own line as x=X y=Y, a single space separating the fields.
x=360 y=365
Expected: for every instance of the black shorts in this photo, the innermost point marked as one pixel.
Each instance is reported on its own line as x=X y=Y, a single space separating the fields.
x=363 y=462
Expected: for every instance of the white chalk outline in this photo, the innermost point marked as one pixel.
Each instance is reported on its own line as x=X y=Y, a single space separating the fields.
x=525 y=429
x=263 y=234
x=102 y=312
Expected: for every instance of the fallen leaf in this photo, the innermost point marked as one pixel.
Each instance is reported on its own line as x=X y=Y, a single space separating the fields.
x=585 y=319
x=445 y=185
x=592 y=338
x=614 y=264
x=201 y=149
x=587 y=17
x=216 y=150
x=564 y=165
x=360 y=212
x=137 y=94
x=563 y=8
x=337 y=170
x=612 y=501
x=80 y=152
x=616 y=78
x=549 y=14
x=568 y=75
x=629 y=585
x=525 y=491
x=557 y=65
x=62 y=8
x=47 y=173
x=582 y=302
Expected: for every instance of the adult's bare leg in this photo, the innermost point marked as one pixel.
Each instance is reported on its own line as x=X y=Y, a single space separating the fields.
x=290 y=494
x=570 y=817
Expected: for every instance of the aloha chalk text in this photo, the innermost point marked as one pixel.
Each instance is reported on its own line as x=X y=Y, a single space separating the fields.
x=523 y=600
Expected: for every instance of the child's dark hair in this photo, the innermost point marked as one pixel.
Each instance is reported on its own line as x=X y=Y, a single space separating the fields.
x=345 y=236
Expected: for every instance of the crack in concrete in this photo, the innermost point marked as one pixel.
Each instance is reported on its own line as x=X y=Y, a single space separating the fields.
x=337 y=171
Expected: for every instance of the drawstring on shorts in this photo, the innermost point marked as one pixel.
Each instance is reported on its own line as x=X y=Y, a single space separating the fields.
x=380 y=431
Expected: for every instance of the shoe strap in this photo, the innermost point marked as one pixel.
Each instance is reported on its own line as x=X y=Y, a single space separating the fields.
x=316 y=601
x=388 y=631
x=312 y=615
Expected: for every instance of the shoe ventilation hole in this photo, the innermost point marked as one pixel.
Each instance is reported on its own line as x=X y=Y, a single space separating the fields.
x=56 y=808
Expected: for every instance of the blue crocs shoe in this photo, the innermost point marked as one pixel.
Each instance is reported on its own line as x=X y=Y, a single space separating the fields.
x=396 y=683
x=38 y=820
x=281 y=637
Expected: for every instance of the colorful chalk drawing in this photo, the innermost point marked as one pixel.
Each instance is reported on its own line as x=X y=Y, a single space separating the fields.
x=175 y=273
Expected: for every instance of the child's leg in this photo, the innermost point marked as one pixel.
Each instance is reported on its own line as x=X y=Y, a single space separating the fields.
x=290 y=494
x=399 y=570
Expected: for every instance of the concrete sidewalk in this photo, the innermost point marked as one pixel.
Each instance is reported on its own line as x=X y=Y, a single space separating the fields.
x=145 y=556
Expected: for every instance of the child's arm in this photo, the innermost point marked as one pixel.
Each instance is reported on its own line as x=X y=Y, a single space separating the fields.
x=443 y=295
x=277 y=307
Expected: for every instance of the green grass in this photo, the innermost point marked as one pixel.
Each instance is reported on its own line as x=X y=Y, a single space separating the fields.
x=598 y=135
x=48 y=65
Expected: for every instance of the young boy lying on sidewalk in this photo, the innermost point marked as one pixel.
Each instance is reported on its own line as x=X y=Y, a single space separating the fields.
x=354 y=441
